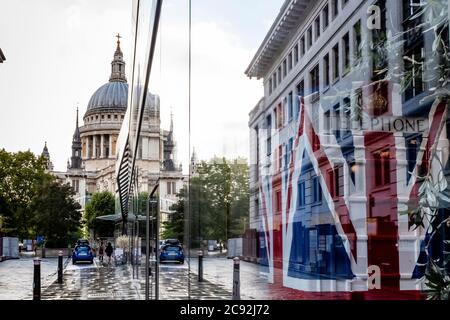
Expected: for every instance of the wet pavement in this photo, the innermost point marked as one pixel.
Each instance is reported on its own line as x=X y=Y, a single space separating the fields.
x=16 y=276
x=219 y=270
x=103 y=282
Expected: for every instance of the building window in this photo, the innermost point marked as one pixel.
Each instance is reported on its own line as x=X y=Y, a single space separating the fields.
x=315 y=79
x=290 y=61
x=310 y=37
x=325 y=17
x=414 y=47
x=382 y=166
x=280 y=157
x=257 y=148
x=269 y=135
x=76 y=185
x=302 y=46
x=279 y=74
x=270 y=86
x=174 y=188
x=327 y=122
x=278 y=201
x=290 y=107
x=290 y=149
x=336 y=62
x=286 y=156
x=296 y=54
x=412 y=150
x=378 y=46
x=337 y=181
x=316 y=190
x=169 y=187
x=115 y=117
x=284 y=68
x=279 y=116
x=346 y=48
x=347 y=118
x=326 y=70
x=317 y=26
x=335 y=7
x=109 y=117
x=301 y=194
x=357 y=42
x=300 y=95
x=337 y=121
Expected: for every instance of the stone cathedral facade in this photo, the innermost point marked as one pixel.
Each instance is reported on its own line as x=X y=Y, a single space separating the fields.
x=91 y=167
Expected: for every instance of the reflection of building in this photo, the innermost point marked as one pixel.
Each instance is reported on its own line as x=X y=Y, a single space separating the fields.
x=2 y=56
x=326 y=192
x=94 y=145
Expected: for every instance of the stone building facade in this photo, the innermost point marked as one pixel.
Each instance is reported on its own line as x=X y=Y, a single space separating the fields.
x=91 y=167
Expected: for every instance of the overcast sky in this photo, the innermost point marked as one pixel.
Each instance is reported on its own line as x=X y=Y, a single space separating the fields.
x=58 y=53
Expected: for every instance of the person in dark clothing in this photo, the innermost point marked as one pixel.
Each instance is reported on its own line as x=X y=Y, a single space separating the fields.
x=109 y=250
x=101 y=251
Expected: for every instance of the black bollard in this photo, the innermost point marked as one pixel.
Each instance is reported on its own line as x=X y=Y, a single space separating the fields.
x=236 y=280
x=200 y=266
x=37 y=279
x=60 y=267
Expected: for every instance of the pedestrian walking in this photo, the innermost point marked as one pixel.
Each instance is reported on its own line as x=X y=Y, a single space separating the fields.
x=101 y=250
x=109 y=251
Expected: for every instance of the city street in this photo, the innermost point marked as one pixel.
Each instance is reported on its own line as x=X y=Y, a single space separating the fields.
x=101 y=282
x=97 y=281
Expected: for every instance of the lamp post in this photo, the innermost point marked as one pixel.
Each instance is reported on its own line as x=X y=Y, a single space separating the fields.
x=151 y=201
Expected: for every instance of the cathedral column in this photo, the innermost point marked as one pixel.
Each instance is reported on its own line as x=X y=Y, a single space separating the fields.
x=94 y=142
x=88 y=147
x=110 y=146
x=102 y=147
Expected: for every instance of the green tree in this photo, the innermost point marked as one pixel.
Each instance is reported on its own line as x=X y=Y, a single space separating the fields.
x=22 y=175
x=142 y=203
x=174 y=228
x=56 y=215
x=101 y=204
x=223 y=198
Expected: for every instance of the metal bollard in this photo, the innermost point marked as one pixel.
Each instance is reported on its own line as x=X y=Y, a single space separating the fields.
x=200 y=266
x=60 y=266
x=37 y=279
x=236 y=280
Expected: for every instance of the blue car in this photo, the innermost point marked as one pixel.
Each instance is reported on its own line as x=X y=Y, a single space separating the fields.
x=83 y=253
x=171 y=252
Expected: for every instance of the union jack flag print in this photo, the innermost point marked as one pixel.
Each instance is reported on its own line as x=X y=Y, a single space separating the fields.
x=332 y=194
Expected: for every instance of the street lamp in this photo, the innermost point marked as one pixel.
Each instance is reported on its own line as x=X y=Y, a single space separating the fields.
x=151 y=201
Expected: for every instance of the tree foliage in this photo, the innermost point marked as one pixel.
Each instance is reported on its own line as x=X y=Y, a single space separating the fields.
x=101 y=204
x=22 y=176
x=218 y=200
x=174 y=228
x=56 y=215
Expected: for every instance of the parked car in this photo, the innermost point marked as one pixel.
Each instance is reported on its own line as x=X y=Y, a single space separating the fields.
x=172 y=241
x=171 y=252
x=82 y=242
x=82 y=252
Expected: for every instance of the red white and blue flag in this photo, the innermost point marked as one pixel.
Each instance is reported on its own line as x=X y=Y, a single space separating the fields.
x=332 y=212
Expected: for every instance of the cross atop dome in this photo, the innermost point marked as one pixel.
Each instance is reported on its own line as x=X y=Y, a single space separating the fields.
x=118 y=65
x=118 y=40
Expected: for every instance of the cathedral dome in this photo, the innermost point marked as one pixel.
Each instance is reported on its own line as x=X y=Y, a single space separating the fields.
x=113 y=96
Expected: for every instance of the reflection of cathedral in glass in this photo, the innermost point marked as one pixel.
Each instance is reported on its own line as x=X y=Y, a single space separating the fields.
x=91 y=167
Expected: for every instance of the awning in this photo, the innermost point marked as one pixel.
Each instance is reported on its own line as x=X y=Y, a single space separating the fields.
x=118 y=218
